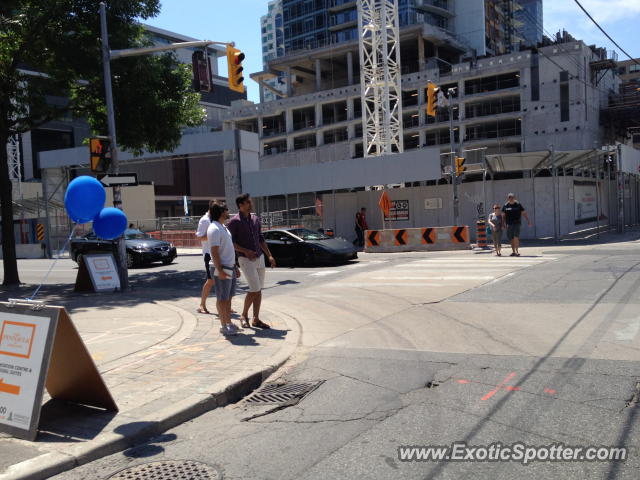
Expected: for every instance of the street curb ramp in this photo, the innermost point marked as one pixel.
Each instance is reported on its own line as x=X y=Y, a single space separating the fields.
x=140 y=430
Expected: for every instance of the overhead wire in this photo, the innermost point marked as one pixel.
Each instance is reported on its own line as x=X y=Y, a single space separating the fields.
x=605 y=33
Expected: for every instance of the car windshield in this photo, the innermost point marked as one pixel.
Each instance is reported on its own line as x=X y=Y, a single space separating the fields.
x=132 y=234
x=306 y=234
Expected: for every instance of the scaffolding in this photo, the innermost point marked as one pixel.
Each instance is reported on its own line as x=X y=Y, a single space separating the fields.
x=380 y=76
x=13 y=159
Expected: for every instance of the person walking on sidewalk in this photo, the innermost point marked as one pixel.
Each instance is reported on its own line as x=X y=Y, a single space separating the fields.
x=513 y=213
x=360 y=226
x=201 y=234
x=496 y=221
x=223 y=265
x=251 y=247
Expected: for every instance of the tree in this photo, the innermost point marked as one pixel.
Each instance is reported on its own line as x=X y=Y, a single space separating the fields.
x=61 y=41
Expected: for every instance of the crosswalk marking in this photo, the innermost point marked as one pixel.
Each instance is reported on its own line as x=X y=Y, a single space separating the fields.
x=326 y=273
x=441 y=272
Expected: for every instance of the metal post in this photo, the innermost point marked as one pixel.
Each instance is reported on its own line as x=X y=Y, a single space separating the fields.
x=620 y=182
x=609 y=191
x=597 y=198
x=47 y=222
x=111 y=123
x=554 y=172
x=454 y=173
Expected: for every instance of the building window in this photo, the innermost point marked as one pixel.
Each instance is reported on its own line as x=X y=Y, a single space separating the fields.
x=491 y=84
x=564 y=102
x=305 y=141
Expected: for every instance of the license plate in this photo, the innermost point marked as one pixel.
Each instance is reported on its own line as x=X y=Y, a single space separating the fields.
x=164 y=254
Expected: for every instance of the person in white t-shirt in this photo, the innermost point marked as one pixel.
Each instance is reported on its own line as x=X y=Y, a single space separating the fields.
x=201 y=234
x=223 y=265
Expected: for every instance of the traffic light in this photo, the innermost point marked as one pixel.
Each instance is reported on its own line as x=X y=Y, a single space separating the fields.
x=100 y=154
x=432 y=98
x=234 y=61
x=201 y=71
x=460 y=168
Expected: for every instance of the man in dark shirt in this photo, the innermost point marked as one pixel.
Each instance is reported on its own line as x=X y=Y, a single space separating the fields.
x=513 y=213
x=250 y=246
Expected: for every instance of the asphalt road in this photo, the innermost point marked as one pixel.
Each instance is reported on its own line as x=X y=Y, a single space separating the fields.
x=428 y=350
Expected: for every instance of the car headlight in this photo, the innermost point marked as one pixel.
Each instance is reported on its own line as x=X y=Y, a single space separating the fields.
x=141 y=248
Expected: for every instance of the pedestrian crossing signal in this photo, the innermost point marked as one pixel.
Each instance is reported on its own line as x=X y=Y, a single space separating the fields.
x=460 y=168
x=100 y=154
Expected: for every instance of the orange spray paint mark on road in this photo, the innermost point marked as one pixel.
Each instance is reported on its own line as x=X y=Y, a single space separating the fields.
x=499 y=386
x=550 y=391
x=463 y=381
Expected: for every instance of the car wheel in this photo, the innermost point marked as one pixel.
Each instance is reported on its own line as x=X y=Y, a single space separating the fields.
x=131 y=262
x=167 y=261
x=79 y=258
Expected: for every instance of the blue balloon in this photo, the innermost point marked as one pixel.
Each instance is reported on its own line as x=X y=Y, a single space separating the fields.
x=110 y=223
x=84 y=198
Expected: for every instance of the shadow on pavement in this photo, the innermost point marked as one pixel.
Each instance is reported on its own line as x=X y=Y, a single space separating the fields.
x=66 y=422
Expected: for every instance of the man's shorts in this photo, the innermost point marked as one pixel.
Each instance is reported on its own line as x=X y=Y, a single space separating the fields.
x=253 y=271
x=513 y=231
x=207 y=259
x=225 y=289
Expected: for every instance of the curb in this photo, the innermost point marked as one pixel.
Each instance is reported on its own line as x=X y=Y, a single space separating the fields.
x=222 y=393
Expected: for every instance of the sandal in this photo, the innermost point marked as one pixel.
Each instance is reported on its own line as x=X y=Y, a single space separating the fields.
x=244 y=322
x=203 y=310
x=260 y=324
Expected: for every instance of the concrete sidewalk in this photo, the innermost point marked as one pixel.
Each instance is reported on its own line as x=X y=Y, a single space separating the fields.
x=164 y=365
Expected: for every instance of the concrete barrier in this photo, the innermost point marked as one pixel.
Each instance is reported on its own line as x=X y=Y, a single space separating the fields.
x=417 y=239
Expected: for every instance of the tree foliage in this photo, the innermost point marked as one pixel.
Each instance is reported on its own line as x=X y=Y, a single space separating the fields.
x=60 y=41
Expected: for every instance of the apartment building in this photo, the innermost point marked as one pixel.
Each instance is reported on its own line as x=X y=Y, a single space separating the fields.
x=272 y=29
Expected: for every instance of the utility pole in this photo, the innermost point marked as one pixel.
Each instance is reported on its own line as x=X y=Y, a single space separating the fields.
x=454 y=173
x=111 y=124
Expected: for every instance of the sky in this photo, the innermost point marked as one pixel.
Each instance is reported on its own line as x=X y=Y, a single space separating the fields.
x=239 y=21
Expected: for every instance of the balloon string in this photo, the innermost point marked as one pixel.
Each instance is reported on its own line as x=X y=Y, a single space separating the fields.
x=57 y=257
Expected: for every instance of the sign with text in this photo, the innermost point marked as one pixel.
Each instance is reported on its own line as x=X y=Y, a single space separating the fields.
x=585 y=203
x=38 y=349
x=25 y=345
x=120 y=179
x=103 y=271
x=398 y=211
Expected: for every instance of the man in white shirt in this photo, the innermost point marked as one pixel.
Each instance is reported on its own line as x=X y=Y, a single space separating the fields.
x=223 y=265
x=201 y=234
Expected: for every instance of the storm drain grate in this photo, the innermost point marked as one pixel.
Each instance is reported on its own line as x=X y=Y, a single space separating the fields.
x=169 y=470
x=282 y=392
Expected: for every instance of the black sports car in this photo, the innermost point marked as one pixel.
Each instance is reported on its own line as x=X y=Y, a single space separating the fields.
x=142 y=248
x=304 y=247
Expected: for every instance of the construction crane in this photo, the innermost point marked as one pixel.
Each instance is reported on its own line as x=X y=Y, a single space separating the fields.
x=380 y=76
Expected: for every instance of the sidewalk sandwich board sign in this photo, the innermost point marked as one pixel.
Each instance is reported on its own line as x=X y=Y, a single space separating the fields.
x=97 y=273
x=41 y=348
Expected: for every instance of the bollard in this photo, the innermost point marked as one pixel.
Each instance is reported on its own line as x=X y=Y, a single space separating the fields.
x=481 y=230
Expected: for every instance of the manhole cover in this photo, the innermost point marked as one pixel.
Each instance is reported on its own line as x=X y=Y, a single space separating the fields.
x=169 y=470
x=282 y=392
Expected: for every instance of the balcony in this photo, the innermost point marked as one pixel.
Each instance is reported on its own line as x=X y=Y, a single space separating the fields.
x=337 y=5
x=440 y=7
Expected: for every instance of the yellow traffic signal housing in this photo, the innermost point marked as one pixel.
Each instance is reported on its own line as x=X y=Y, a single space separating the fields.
x=432 y=98
x=234 y=61
x=460 y=168
x=100 y=154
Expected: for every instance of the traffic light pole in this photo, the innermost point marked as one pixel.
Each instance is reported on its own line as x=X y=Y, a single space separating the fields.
x=454 y=173
x=107 y=55
x=111 y=124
